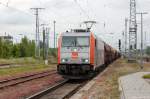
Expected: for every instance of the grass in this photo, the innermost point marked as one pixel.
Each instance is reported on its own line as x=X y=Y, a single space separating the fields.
x=23 y=69
x=107 y=86
x=26 y=60
x=27 y=64
x=146 y=76
x=118 y=69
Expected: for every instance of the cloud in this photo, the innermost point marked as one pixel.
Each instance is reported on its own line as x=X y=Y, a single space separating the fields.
x=15 y=18
x=69 y=14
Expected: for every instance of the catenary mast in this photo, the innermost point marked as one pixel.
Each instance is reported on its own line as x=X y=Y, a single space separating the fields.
x=132 y=32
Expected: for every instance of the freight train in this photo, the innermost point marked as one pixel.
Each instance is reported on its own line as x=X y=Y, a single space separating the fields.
x=81 y=54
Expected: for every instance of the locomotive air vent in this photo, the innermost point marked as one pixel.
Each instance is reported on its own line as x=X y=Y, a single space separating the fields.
x=79 y=30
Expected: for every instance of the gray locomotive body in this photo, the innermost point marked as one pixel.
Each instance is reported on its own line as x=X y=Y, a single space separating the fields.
x=81 y=54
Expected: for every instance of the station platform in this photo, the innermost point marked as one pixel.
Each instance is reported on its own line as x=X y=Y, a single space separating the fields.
x=111 y=83
x=133 y=86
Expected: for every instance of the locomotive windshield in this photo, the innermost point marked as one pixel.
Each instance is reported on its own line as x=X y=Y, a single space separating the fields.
x=82 y=41
x=68 y=41
x=75 y=41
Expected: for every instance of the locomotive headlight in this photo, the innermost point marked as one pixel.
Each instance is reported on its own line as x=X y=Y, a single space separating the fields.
x=86 y=60
x=64 y=60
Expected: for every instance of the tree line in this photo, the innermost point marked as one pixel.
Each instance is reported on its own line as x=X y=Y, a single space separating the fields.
x=148 y=50
x=26 y=48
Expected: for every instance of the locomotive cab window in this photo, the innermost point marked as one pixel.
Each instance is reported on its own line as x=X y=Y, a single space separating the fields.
x=82 y=41
x=75 y=41
x=68 y=41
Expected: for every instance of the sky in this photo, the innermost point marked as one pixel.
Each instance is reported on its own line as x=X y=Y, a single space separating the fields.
x=17 y=19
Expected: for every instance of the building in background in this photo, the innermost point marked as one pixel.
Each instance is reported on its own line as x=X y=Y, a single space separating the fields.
x=7 y=38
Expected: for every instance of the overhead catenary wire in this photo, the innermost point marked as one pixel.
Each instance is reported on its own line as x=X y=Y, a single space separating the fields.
x=90 y=10
x=85 y=12
x=50 y=12
x=8 y=2
x=5 y=5
x=21 y=11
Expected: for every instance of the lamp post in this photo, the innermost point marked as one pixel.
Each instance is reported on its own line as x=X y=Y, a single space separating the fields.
x=142 y=51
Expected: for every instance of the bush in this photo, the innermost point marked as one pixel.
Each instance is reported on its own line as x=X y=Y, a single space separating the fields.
x=53 y=52
x=24 y=49
x=146 y=76
x=148 y=50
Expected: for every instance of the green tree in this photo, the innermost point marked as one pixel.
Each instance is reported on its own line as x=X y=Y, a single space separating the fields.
x=1 y=48
x=148 y=50
x=6 y=49
x=31 y=47
x=15 y=51
x=25 y=48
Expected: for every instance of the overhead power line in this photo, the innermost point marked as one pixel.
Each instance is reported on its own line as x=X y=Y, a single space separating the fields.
x=16 y=9
x=8 y=2
x=85 y=12
x=13 y=8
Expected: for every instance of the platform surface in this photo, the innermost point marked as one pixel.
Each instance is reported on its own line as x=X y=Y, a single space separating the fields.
x=133 y=86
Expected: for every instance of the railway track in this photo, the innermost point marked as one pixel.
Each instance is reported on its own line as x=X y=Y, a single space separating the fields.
x=62 y=90
x=13 y=65
x=4 y=64
x=23 y=79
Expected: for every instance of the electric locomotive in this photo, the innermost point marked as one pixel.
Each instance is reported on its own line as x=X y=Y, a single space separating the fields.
x=81 y=53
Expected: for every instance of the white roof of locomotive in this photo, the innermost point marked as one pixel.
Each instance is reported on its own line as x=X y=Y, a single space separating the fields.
x=76 y=34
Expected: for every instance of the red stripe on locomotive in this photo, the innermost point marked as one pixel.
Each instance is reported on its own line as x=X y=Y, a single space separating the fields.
x=92 y=49
x=59 y=48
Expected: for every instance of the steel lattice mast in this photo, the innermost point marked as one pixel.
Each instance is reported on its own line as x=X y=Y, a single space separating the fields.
x=132 y=31
x=37 y=37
